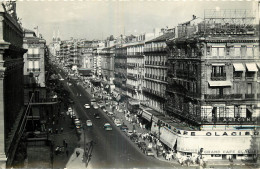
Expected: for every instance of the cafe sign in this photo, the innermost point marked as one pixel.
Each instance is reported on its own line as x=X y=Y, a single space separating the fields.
x=218 y=133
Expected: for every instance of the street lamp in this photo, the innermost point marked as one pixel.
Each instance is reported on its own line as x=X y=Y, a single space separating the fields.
x=159 y=124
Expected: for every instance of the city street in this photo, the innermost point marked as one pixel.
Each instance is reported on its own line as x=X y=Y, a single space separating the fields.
x=111 y=148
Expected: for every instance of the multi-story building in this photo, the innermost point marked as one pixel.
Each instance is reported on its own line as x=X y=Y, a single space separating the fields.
x=135 y=73
x=120 y=71
x=213 y=85
x=107 y=64
x=34 y=66
x=97 y=48
x=12 y=113
x=155 y=52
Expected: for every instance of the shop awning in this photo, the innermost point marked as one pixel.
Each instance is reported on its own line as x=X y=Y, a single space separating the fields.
x=168 y=137
x=218 y=64
x=147 y=115
x=219 y=83
x=258 y=65
x=239 y=67
x=251 y=67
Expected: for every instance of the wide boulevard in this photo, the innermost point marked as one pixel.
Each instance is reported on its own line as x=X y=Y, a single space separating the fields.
x=112 y=149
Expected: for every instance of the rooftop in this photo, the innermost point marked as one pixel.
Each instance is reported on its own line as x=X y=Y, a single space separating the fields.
x=164 y=37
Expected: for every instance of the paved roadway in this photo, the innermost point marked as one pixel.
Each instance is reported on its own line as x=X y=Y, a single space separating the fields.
x=113 y=149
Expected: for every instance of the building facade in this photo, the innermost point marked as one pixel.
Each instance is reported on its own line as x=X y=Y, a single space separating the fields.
x=120 y=71
x=34 y=66
x=155 y=52
x=12 y=114
x=135 y=73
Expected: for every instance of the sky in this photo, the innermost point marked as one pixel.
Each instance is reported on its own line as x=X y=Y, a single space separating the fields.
x=100 y=19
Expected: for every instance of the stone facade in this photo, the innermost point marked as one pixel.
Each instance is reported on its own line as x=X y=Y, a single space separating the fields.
x=11 y=87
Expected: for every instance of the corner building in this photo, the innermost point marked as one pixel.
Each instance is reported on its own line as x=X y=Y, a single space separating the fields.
x=213 y=86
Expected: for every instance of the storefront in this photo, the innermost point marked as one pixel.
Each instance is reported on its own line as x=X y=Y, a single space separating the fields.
x=218 y=144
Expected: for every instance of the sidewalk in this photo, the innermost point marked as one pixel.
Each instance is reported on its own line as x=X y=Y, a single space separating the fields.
x=77 y=162
x=40 y=156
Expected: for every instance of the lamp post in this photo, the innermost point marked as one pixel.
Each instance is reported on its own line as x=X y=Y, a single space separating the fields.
x=159 y=124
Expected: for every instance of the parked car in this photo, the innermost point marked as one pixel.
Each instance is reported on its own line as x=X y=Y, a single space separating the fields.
x=124 y=127
x=92 y=101
x=110 y=113
x=86 y=106
x=129 y=133
x=107 y=127
x=95 y=106
x=89 y=123
x=117 y=122
x=149 y=152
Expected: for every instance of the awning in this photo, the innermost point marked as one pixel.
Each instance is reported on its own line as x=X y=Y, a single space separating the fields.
x=219 y=83
x=239 y=67
x=258 y=64
x=251 y=67
x=168 y=137
x=147 y=115
x=218 y=64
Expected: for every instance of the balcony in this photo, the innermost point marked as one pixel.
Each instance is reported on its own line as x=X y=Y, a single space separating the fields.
x=33 y=55
x=218 y=76
x=221 y=97
x=153 y=92
x=155 y=49
x=131 y=87
x=132 y=77
x=131 y=65
x=135 y=54
x=249 y=96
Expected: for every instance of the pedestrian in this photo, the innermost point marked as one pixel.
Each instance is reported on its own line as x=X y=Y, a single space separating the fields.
x=66 y=144
x=57 y=131
x=67 y=153
x=64 y=141
x=61 y=129
x=77 y=153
